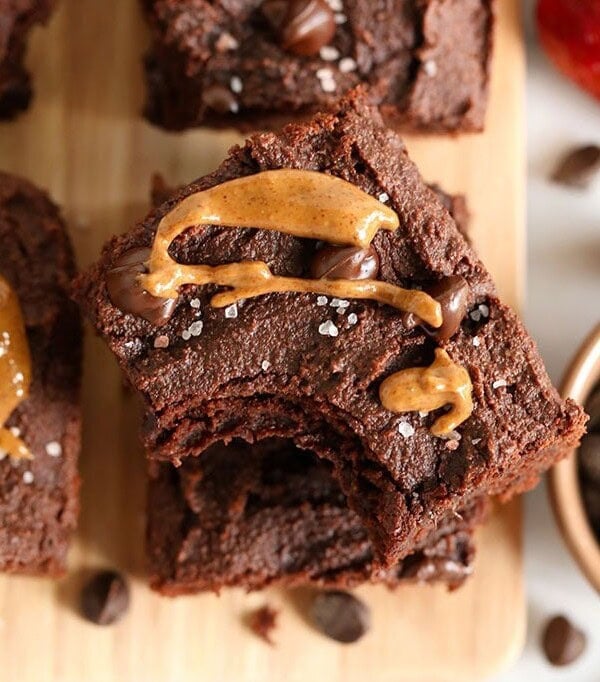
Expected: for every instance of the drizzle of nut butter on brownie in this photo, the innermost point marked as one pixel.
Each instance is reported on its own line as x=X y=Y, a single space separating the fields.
x=15 y=368
x=321 y=207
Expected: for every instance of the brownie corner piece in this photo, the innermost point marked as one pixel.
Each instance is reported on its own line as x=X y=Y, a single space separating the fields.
x=304 y=367
x=426 y=63
x=15 y=83
x=39 y=496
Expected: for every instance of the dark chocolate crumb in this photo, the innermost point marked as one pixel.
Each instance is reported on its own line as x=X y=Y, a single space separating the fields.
x=341 y=616
x=263 y=621
x=563 y=642
x=578 y=167
x=105 y=598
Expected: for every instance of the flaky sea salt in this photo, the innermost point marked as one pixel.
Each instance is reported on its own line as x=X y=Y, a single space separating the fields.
x=475 y=315
x=186 y=334
x=347 y=65
x=336 y=5
x=340 y=18
x=484 y=310
x=384 y=197
x=326 y=79
x=53 y=448
x=328 y=328
x=231 y=312
x=226 y=42
x=328 y=53
x=430 y=68
x=161 y=341
x=195 y=303
x=195 y=328
x=499 y=383
x=406 y=430
x=266 y=365
x=16 y=431
x=339 y=303
x=352 y=318
x=321 y=300
x=27 y=477
x=476 y=341
x=236 y=84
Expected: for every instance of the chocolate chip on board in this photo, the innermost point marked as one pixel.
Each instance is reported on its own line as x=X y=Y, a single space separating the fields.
x=341 y=616
x=263 y=621
x=563 y=642
x=105 y=598
x=578 y=166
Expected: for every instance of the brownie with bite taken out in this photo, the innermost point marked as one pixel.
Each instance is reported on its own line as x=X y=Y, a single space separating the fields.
x=314 y=289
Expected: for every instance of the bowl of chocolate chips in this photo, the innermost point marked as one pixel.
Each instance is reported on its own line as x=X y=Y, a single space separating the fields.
x=575 y=482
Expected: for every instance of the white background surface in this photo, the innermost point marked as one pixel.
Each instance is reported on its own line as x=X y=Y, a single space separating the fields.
x=562 y=305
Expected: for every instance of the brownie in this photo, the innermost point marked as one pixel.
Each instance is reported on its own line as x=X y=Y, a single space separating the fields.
x=39 y=496
x=265 y=368
x=255 y=515
x=231 y=64
x=17 y=17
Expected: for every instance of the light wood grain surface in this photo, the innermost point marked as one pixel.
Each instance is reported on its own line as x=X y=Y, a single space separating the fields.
x=84 y=141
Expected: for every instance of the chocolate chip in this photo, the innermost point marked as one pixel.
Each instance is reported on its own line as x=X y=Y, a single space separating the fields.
x=578 y=167
x=220 y=99
x=452 y=293
x=262 y=622
x=126 y=293
x=341 y=616
x=105 y=598
x=344 y=262
x=303 y=26
x=563 y=642
x=589 y=457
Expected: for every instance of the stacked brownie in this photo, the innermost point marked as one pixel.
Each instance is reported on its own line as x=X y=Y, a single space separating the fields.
x=16 y=21
x=255 y=64
x=40 y=357
x=274 y=457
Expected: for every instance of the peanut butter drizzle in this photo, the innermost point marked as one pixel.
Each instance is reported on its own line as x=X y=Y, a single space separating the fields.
x=296 y=202
x=428 y=389
x=15 y=368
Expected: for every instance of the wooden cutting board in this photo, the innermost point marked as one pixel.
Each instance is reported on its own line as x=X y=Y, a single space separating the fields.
x=85 y=142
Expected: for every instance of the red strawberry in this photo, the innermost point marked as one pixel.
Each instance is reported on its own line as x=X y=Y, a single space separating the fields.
x=569 y=30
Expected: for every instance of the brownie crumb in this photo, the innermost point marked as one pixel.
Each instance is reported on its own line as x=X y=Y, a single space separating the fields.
x=563 y=642
x=263 y=621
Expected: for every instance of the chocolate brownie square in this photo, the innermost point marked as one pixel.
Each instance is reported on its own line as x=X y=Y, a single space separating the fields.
x=255 y=65
x=270 y=514
x=310 y=368
x=16 y=21
x=38 y=492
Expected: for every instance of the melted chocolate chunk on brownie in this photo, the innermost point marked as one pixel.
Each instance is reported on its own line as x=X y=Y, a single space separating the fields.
x=308 y=367
x=39 y=496
x=16 y=21
x=256 y=65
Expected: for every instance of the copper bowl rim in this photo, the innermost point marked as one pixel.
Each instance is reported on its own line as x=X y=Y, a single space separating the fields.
x=580 y=379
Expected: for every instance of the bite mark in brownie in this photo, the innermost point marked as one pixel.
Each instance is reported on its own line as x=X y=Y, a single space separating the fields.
x=16 y=21
x=270 y=514
x=223 y=64
x=268 y=371
x=39 y=497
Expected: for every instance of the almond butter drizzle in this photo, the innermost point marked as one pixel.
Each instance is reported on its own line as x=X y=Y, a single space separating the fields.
x=316 y=206
x=15 y=368
x=428 y=389
x=296 y=202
